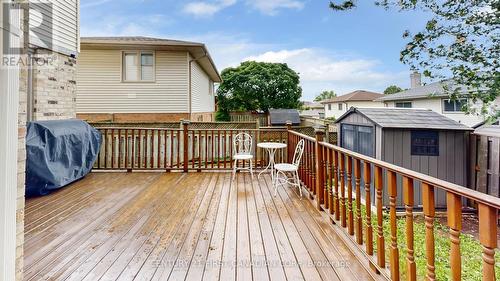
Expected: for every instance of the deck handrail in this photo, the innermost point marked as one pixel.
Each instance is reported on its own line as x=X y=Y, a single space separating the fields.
x=334 y=176
x=448 y=186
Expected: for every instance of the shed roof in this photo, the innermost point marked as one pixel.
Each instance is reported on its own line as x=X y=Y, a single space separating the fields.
x=359 y=95
x=488 y=130
x=281 y=116
x=407 y=118
x=198 y=50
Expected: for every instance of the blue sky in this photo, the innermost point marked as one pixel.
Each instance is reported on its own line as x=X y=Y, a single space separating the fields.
x=340 y=51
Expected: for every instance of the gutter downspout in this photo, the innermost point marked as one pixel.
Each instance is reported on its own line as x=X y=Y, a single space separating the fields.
x=190 y=94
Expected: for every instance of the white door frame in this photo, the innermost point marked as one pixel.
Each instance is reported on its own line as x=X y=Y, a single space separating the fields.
x=9 y=104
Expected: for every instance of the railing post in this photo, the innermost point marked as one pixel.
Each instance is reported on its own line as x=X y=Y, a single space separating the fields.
x=289 y=148
x=408 y=196
x=488 y=239
x=454 y=205
x=379 y=185
x=185 y=127
x=320 y=175
x=429 y=213
x=394 y=251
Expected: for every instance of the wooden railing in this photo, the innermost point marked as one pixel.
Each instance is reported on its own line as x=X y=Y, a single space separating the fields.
x=185 y=149
x=348 y=186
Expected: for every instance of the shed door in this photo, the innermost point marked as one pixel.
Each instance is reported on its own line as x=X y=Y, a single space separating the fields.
x=358 y=139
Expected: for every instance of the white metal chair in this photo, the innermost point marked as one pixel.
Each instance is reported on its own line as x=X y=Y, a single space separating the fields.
x=242 y=150
x=283 y=168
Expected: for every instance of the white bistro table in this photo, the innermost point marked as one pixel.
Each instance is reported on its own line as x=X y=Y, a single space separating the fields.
x=271 y=148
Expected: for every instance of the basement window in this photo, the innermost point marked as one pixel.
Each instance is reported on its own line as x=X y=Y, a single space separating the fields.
x=138 y=67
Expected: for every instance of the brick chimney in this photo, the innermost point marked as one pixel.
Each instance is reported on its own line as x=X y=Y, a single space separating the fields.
x=416 y=80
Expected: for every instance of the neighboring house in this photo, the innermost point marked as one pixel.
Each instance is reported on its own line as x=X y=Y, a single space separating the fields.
x=313 y=109
x=337 y=106
x=41 y=46
x=433 y=96
x=142 y=79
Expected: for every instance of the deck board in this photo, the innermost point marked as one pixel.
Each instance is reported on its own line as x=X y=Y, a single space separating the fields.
x=174 y=226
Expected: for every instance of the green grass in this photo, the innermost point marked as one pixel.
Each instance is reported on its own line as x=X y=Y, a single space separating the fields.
x=470 y=249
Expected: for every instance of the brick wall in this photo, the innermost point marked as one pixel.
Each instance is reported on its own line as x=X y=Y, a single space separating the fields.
x=54 y=86
x=54 y=92
x=21 y=164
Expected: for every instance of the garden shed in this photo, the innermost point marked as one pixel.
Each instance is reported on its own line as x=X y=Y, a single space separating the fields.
x=417 y=139
x=279 y=117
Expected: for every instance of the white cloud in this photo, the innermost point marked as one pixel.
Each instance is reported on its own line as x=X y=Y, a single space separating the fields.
x=94 y=3
x=207 y=9
x=271 y=7
x=320 y=70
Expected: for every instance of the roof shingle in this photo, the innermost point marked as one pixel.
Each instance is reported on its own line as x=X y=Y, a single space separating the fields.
x=359 y=95
x=407 y=118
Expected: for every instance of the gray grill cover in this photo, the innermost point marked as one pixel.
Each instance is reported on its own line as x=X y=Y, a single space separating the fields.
x=59 y=153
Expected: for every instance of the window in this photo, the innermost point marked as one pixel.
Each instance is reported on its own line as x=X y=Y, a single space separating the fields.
x=425 y=143
x=404 y=104
x=454 y=105
x=340 y=106
x=138 y=66
x=329 y=106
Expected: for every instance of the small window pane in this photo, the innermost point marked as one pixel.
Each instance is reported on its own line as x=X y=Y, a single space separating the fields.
x=340 y=106
x=454 y=106
x=425 y=143
x=147 y=69
x=449 y=105
x=147 y=73
x=147 y=59
x=405 y=104
x=131 y=68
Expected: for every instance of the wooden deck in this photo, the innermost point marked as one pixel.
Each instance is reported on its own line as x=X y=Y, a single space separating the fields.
x=174 y=226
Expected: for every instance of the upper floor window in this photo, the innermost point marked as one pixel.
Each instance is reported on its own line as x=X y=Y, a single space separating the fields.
x=138 y=66
x=404 y=104
x=340 y=106
x=329 y=106
x=454 y=105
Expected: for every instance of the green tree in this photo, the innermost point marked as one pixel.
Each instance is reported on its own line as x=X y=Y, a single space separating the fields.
x=325 y=95
x=392 y=90
x=258 y=86
x=461 y=40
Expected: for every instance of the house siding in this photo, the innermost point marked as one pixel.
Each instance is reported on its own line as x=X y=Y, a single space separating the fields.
x=64 y=32
x=335 y=112
x=203 y=100
x=100 y=88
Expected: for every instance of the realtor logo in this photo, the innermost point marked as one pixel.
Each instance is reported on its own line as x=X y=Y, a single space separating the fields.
x=40 y=27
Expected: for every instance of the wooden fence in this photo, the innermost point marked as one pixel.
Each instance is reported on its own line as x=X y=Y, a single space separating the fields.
x=249 y=117
x=485 y=164
x=337 y=179
x=186 y=149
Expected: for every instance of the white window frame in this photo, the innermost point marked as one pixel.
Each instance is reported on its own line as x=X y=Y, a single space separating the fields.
x=139 y=63
x=452 y=112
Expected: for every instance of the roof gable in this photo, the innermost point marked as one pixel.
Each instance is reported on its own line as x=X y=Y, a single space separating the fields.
x=198 y=50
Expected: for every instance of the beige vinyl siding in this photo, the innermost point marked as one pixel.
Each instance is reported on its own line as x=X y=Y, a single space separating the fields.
x=100 y=88
x=202 y=95
x=64 y=32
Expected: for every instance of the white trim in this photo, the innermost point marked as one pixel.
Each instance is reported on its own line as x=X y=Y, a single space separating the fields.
x=9 y=104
